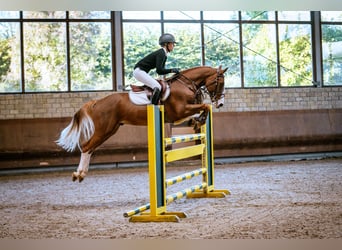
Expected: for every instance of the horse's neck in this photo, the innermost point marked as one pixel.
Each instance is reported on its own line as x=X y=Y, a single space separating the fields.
x=198 y=74
x=194 y=75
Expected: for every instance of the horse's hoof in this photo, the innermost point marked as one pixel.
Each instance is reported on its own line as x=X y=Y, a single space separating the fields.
x=81 y=177
x=197 y=126
x=74 y=176
x=191 y=122
x=202 y=119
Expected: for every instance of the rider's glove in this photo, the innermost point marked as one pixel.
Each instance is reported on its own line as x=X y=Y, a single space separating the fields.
x=175 y=70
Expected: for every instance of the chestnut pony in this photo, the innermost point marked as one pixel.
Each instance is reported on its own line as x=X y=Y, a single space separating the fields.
x=97 y=120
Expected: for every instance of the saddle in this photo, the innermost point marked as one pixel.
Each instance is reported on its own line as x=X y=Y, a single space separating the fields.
x=142 y=95
x=164 y=86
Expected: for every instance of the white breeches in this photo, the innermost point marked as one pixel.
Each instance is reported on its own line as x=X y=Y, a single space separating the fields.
x=146 y=79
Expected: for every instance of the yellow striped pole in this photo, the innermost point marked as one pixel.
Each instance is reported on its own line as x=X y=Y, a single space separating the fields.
x=183 y=138
x=186 y=176
x=172 y=197
x=137 y=210
x=168 y=182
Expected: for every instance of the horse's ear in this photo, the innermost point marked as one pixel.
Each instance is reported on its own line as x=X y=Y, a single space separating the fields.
x=222 y=71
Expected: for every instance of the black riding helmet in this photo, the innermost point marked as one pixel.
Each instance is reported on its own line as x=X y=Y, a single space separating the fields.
x=166 y=38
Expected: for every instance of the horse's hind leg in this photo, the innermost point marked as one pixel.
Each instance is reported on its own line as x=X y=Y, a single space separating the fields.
x=88 y=148
x=82 y=169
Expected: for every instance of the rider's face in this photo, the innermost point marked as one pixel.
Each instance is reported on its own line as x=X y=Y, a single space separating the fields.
x=170 y=46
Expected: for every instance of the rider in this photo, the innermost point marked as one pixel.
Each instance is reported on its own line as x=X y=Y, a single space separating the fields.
x=155 y=60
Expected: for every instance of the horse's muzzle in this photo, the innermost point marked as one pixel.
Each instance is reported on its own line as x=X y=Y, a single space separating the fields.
x=220 y=102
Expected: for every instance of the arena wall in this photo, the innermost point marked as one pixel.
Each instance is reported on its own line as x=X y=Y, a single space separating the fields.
x=252 y=122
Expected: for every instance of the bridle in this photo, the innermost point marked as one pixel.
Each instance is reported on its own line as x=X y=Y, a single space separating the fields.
x=217 y=94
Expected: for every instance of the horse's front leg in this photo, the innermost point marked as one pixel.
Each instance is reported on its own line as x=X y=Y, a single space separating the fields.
x=200 y=120
x=203 y=117
x=83 y=167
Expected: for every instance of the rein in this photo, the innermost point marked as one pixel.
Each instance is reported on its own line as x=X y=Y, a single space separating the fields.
x=193 y=83
x=198 y=91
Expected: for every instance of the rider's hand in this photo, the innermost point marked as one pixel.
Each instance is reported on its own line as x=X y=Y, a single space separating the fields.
x=175 y=70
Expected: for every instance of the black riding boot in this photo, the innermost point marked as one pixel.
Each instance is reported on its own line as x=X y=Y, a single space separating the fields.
x=155 y=96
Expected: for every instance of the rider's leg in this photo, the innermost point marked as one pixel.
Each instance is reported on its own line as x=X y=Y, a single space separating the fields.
x=148 y=80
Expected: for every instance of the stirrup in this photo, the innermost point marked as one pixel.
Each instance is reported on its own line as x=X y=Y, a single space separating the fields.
x=155 y=96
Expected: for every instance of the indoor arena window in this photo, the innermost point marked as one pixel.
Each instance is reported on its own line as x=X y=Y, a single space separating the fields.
x=139 y=39
x=222 y=47
x=10 y=56
x=187 y=53
x=332 y=47
x=53 y=51
x=9 y=14
x=45 y=56
x=295 y=54
x=90 y=56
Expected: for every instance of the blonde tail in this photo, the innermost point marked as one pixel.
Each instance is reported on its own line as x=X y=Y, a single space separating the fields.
x=80 y=129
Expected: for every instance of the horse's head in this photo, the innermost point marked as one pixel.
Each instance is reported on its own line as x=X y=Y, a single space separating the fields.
x=215 y=86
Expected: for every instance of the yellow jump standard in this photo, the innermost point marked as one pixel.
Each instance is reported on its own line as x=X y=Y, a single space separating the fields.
x=158 y=157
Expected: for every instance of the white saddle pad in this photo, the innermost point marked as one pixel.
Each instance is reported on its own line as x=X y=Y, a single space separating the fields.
x=139 y=98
